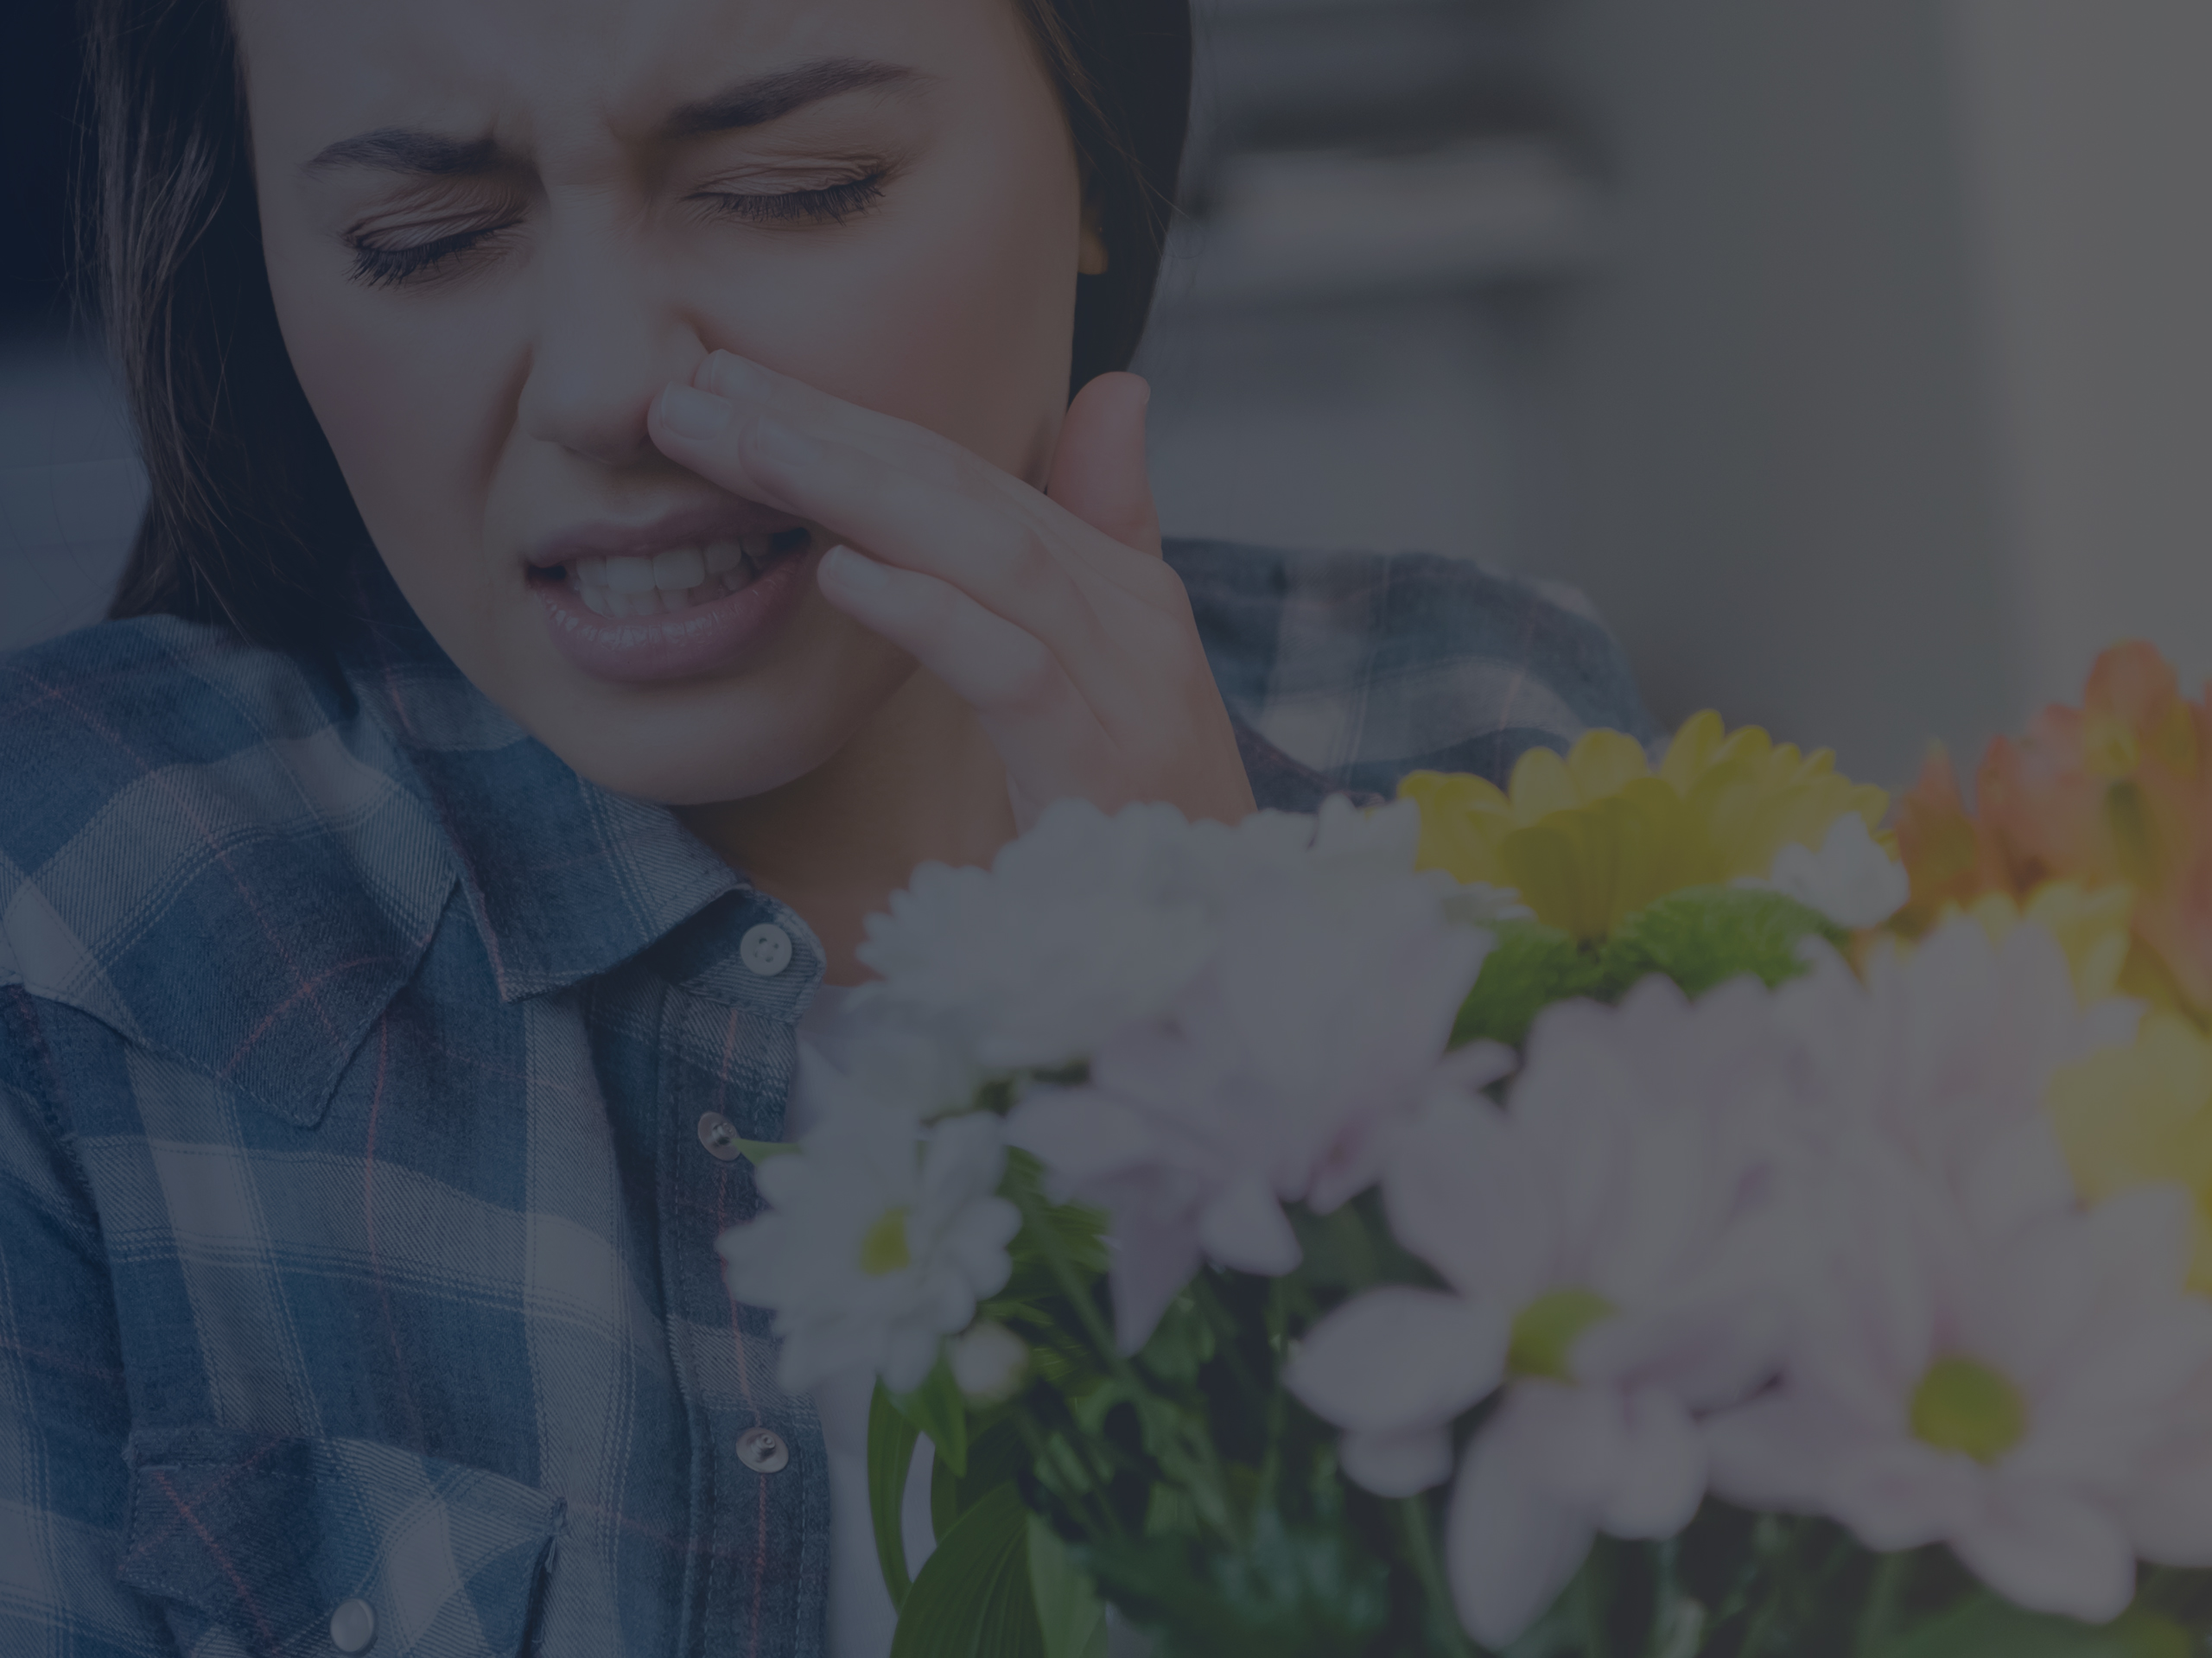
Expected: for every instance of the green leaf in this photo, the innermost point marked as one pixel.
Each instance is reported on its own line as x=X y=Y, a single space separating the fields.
x=1529 y=967
x=1080 y=1229
x=1708 y=935
x=973 y=1598
x=995 y=1456
x=1068 y=1612
x=1180 y=1343
x=937 y=1409
x=1988 y=1628
x=891 y=1439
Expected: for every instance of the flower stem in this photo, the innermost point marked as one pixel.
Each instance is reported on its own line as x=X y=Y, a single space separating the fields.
x=1211 y=1489
x=1420 y=1544
x=1877 y=1622
x=1086 y=1308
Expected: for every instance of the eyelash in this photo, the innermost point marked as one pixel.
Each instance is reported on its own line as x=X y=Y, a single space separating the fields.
x=833 y=203
x=829 y=204
x=376 y=267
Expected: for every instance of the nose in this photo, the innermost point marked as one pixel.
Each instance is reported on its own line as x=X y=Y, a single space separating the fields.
x=605 y=338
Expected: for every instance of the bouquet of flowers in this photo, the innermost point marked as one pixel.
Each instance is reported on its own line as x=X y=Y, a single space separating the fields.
x=1650 y=1211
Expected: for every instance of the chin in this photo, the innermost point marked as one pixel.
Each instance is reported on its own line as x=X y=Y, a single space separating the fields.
x=707 y=743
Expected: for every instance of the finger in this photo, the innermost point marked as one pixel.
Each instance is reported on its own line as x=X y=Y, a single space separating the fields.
x=961 y=477
x=1031 y=711
x=960 y=531
x=1098 y=468
x=901 y=443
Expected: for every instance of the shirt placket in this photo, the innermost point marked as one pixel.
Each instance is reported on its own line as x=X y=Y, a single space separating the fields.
x=759 y=1470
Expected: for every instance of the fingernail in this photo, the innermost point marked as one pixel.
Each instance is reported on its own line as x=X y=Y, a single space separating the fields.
x=854 y=569
x=734 y=376
x=696 y=415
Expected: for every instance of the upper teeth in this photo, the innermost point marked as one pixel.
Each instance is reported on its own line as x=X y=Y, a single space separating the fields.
x=622 y=587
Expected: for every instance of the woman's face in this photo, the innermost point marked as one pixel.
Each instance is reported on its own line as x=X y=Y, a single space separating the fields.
x=497 y=228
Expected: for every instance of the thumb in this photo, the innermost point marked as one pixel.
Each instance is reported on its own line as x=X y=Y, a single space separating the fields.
x=1098 y=471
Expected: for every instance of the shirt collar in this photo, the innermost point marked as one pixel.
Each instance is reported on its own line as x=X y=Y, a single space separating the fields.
x=566 y=880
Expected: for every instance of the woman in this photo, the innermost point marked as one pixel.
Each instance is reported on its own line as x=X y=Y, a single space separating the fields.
x=617 y=507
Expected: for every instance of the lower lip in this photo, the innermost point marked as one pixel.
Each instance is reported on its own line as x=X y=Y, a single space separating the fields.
x=683 y=643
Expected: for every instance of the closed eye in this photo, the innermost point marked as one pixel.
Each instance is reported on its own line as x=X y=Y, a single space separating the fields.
x=829 y=204
x=376 y=266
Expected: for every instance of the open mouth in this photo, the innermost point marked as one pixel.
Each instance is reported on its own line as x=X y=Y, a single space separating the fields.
x=677 y=579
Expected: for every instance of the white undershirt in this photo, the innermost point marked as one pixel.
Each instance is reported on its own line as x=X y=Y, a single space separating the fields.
x=861 y=1616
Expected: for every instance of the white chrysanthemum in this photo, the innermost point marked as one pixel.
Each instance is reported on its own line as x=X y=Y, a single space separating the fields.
x=1949 y=1050
x=1316 y=1030
x=881 y=1238
x=1614 y=1254
x=1851 y=880
x=1089 y=922
x=2019 y=1399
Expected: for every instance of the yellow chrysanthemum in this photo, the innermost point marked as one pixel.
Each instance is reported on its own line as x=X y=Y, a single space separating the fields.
x=1589 y=839
x=2142 y=1115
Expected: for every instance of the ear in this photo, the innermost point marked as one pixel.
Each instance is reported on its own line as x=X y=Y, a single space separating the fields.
x=1092 y=259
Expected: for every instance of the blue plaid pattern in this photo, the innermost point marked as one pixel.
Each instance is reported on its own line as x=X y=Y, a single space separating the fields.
x=355 y=1235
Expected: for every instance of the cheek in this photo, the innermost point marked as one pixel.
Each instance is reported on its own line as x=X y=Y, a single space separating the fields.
x=407 y=395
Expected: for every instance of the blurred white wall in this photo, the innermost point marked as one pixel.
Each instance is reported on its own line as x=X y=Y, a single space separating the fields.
x=2088 y=147
x=1778 y=487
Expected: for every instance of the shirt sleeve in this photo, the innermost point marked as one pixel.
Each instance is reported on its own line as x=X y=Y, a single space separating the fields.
x=63 y=1411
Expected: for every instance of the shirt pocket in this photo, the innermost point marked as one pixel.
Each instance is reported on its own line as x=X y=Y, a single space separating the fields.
x=264 y=1541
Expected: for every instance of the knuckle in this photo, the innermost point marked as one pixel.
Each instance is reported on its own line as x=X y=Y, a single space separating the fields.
x=1032 y=674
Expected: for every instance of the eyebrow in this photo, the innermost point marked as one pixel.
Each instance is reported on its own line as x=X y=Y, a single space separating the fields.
x=763 y=98
x=751 y=102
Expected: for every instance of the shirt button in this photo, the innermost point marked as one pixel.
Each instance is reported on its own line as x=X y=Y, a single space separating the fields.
x=766 y=948
x=720 y=1136
x=761 y=1451
x=353 y=1626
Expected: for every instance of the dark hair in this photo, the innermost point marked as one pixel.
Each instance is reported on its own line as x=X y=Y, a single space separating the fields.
x=249 y=521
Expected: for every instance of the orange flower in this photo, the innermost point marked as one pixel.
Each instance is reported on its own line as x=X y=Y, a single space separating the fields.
x=1952 y=857
x=2117 y=793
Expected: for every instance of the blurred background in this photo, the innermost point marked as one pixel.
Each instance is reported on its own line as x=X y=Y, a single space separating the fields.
x=1853 y=356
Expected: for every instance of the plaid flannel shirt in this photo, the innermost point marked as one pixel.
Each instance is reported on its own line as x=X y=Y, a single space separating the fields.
x=356 y=1224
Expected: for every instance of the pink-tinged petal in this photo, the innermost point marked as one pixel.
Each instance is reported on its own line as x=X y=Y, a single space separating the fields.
x=2142 y=1238
x=1719 y=1337
x=1901 y=1494
x=1243 y=1227
x=1568 y=1441
x=1508 y=1548
x=2132 y=1375
x=1462 y=1193
x=1081 y=1135
x=2167 y=1509
x=1475 y=1067
x=1662 y=1479
x=1653 y=1218
x=1396 y=1464
x=1154 y=1256
x=2049 y=1551
x=1772 y=1454
x=2018 y=1178
x=1397 y=1358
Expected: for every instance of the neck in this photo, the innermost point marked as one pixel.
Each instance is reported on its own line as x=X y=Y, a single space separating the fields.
x=919 y=781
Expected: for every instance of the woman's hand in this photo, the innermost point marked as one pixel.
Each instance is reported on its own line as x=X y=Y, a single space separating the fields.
x=1053 y=616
